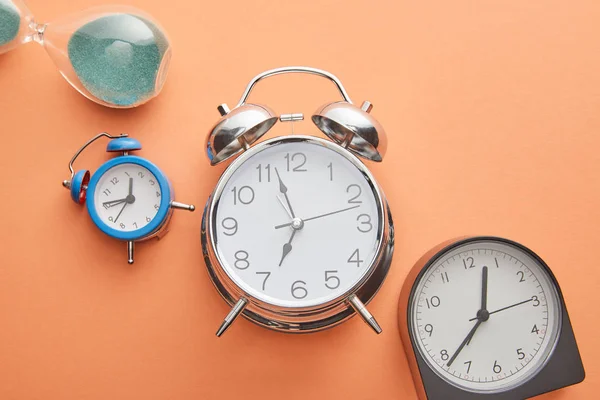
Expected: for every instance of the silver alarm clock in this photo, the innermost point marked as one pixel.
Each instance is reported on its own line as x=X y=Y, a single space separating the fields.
x=297 y=235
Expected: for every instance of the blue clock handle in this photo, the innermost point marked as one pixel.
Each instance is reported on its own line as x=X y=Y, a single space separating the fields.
x=77 y=184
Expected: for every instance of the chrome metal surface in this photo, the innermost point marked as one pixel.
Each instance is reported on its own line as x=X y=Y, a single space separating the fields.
x=364 y=313
x=223 y=109
x=353 y=128
x=130 y=252
x=237 y=130
x=232 y=315
x=291 y=117
x=67 y=183
x=299 y=319
x=182 y=206
x=297 y=224
x=293 y=70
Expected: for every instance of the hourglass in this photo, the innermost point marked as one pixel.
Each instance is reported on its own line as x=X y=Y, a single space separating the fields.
x=117 y=56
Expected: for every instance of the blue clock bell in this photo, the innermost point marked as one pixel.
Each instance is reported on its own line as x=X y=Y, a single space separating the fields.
x=128 y=197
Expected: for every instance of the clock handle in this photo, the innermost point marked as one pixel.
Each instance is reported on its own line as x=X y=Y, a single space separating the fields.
x=235 y=312
x=364 y=313
x=77 y=183
x=294 y=70
x=92 y=140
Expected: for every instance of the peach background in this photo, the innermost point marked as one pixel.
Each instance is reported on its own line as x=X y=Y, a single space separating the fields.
x=492 y=112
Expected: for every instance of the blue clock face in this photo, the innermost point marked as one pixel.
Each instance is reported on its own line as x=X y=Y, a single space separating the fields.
x=128 y=198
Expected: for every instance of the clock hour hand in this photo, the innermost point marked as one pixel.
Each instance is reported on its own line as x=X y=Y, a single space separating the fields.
x=464 y=342
x=287 y=248
x=482 y=315
x=113 y=203
x=283 y=189
x=129 y=199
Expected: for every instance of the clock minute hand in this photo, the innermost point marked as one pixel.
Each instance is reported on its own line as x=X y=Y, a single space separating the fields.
x=288 y=212
x=318 y=216
x=484 y=286
x=483 y=310
x=283 y=189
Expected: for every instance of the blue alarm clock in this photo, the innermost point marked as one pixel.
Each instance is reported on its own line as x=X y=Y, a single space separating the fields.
x=128 y=197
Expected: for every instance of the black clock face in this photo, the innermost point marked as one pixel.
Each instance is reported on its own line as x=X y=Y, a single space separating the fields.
x=486 y=317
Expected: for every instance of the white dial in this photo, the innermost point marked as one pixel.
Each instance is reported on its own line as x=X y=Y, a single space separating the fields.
x=127 y=197
x=485 y=315
x=298 y=223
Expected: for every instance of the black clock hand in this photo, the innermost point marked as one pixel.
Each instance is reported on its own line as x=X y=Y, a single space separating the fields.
x=287 y=248
x=506 y=308
x=283 y=189
x=484 y=285
x=318 y=216
x=482 y=315
x=112 y=203
x=464 y=342
x=130 y=199
x=119 y=214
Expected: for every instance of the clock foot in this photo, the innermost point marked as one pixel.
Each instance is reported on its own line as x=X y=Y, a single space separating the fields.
x=130 y=252
x=360 y=308
x=182 y=206
x=233 y=314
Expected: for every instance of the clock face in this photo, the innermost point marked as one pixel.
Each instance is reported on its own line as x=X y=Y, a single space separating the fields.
x=297 y=222
x=127 y=197
x=485 y=315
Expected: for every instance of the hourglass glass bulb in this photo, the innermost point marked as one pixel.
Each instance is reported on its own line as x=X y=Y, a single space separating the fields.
x=116 y=56
x=15 y=24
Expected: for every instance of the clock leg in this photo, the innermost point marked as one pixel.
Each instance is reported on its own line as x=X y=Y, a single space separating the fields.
x=233 y=314
x=364 y=313
x=130 y=252
x=182 y=206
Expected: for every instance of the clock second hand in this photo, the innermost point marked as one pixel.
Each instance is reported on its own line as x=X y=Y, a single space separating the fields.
x=318 y=216
x=119 y=214
x=130 y=199
x=506 y=308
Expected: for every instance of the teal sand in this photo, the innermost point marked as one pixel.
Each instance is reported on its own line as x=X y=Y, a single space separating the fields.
x=10 y=21
x=118 y=57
